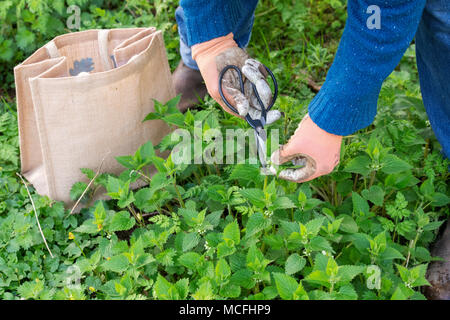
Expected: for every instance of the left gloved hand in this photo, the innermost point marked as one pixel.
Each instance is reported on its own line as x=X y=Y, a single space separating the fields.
x=214 y=55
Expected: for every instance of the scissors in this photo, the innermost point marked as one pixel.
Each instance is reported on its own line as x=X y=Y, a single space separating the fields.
x=256 y=124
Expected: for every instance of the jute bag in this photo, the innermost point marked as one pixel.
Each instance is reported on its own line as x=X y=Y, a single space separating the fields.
x=81 y=99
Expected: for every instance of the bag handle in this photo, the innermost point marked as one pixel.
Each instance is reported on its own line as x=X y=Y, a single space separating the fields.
x=52 y=50
x=103 y=40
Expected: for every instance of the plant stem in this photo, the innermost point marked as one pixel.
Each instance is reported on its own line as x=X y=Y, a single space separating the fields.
x=180 y=199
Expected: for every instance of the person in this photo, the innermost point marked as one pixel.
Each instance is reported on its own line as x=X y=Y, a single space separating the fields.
x=215 y=33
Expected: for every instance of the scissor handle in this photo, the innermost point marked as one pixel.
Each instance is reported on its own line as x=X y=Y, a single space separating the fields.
x=254 y=123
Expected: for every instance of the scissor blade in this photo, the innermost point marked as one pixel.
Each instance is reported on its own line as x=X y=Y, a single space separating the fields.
x=261 y=139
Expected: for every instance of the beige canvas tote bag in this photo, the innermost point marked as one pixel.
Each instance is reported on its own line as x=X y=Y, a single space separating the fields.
x=81 y=99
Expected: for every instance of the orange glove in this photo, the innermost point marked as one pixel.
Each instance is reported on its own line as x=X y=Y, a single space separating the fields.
x=316 y=149
x=213 y=55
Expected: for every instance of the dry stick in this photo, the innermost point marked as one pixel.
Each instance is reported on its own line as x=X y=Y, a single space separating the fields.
x=311 y=83
x=35 y=213
x=88 y=186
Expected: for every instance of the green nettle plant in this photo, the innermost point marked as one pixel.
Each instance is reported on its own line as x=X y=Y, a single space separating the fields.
x=224 y=231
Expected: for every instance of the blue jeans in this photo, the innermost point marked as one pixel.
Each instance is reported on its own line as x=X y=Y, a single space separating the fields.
x=433 y=61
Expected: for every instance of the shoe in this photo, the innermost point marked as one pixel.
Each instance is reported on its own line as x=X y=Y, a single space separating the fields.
x=189 y=83
x=438 y=273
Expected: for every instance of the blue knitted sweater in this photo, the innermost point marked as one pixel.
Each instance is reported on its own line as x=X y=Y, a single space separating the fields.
x=347 y=101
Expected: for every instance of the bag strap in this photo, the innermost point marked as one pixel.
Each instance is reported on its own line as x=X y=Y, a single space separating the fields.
x=103 y=39
x=52 y=50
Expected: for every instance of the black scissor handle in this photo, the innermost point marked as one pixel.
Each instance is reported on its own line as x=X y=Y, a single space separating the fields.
x=254 y=123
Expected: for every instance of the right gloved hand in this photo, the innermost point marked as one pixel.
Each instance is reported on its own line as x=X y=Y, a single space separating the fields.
x=312 y=148
x=214 y=55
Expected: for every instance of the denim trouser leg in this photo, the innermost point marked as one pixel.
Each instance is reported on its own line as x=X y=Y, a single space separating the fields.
x=433 y=61
x=242 y=33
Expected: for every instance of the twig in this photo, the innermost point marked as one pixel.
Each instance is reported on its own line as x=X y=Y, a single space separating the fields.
x=88 y=186
x=311 y=83
x=35 y=213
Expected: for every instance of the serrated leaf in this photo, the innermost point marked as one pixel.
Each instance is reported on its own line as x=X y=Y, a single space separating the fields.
x=286 y=285
x=162 y=288
x=313 y=226
x=360 y=205
x=222 y=270
x=393 y=164
x=359 y=165
x=189 y=260
x=77 y=190
x=121 y=221
x=374 y=194
x=282 y=203
x=190 y=240
x=346 y=273
x=88 y=226
x=117 y=264
x=232 y=234
x=224 y=250
x=243 y=278
x=255 y=196
x=256 y=223
x=230 y=290
x=294 y=264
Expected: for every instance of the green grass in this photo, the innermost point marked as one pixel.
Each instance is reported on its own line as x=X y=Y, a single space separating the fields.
x=225 y=231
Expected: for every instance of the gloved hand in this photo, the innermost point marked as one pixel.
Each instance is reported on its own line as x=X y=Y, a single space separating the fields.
x=214 y=55
x=317 y=150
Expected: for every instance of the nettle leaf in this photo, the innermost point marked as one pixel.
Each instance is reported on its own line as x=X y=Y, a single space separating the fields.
x=294 y=264
x=245 y=173
x=348 y=272
x=255 y=196
x=162 y=288
x=192 y=217
x=319 y=277
x=359 y=165
x=77 y=190
x=393 y=164
x=282 y=203
x=390 y=254
x=120 y=190
x=204 y=292
x=440 y=200
x=347 y=292
x=374 y=194
x=433 y=225
x=230 y=290
x=223 y=250
x=189 y=260
x=360 y=205
x=256 y=223
x=319 y=243
x=175 y=119
x=255 y=259
x=190 y=240
x=232 y=234
x=182 y=287
x=25 y=39
x=243 y=278
x=117 y=264
x=313 y=226
x=222 y=270
x=286 y=285
x=121 y=221
x=88 y=226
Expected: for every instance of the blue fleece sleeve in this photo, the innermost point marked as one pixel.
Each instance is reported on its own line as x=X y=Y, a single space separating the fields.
x=366 y=56
x=209 y=19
